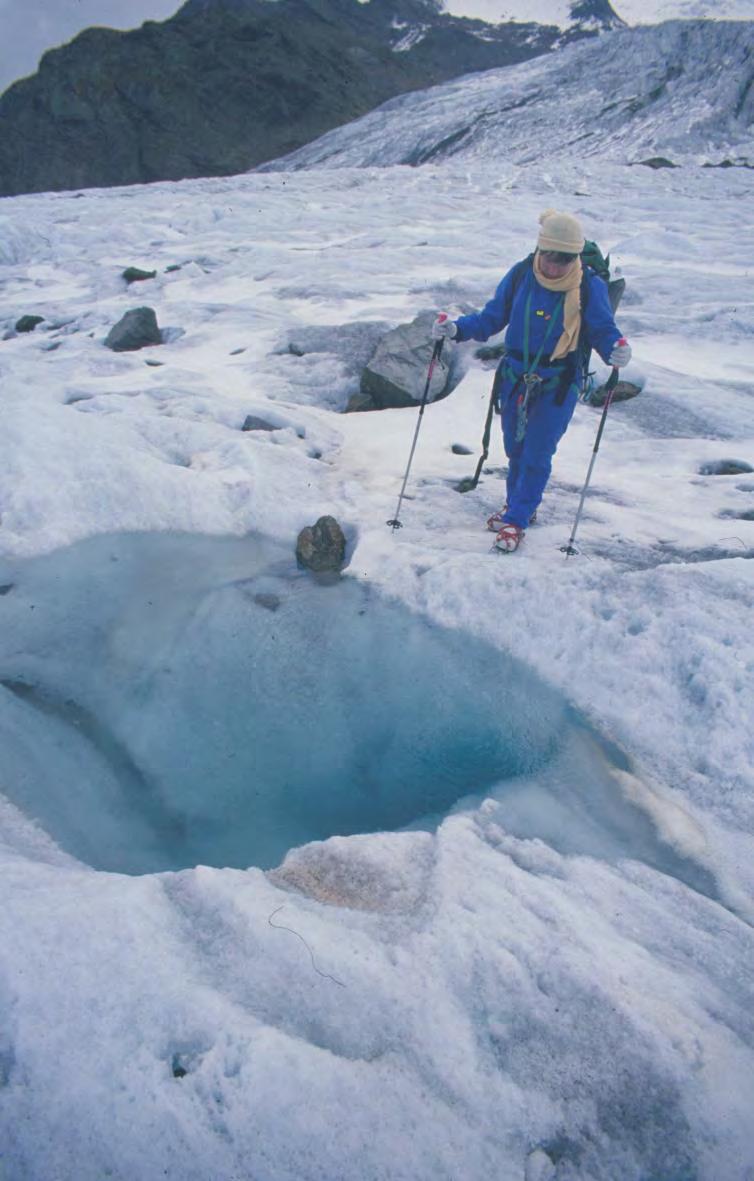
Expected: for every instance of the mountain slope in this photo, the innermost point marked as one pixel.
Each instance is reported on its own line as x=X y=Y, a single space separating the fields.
x=681 y=89
x=227 y=84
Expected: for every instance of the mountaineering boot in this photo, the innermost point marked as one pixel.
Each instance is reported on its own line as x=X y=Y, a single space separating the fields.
x=497 y=520
x=509 y=538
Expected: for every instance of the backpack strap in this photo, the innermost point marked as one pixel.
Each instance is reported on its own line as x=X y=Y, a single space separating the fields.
x=519 y=270
x=586 y=273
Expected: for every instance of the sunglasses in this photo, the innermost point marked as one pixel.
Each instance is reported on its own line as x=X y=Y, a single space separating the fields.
x=557 y=256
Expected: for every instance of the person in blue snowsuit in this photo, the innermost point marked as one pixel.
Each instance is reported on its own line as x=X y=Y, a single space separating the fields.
x=538 y=380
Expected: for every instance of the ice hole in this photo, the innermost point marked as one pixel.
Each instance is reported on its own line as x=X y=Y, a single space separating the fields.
x=168 y=700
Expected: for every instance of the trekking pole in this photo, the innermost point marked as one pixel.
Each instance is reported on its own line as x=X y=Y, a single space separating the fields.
x=469 y=483
x=610 y=385
x=395 y=522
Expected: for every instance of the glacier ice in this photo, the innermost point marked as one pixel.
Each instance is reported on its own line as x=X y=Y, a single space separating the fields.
x=678 y=88
x=171 y=699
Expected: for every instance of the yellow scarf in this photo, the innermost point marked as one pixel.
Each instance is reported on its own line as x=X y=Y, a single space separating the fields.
x=570 y=283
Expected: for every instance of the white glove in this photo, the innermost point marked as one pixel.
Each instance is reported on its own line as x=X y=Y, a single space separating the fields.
x=621 y=354
x=443 y=328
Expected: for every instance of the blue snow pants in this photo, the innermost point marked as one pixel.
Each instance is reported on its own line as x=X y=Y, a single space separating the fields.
x=530 y=459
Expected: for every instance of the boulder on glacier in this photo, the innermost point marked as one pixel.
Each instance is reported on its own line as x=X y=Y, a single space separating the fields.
x=397 y=371
x=136 y=330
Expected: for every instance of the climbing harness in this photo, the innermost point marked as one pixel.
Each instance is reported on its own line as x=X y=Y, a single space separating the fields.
x=532 y=387
x=533 y=384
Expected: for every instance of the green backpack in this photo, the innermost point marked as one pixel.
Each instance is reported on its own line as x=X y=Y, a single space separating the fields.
x=592 y=256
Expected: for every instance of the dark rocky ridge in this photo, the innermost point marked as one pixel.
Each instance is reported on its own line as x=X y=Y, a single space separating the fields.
x=225 y=85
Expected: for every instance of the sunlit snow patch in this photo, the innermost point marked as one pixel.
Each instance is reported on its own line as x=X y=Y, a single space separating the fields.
x=169 y=700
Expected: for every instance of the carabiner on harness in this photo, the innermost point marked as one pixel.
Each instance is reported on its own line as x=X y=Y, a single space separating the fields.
x=532 y=383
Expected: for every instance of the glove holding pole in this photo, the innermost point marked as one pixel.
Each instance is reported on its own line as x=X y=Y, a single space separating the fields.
x=443 y=329
x=620 y=355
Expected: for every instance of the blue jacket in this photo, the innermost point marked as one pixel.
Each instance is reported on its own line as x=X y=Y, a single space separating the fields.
x=508 y=306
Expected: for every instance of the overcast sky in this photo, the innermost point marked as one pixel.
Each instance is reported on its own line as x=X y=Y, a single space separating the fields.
x=29 y=27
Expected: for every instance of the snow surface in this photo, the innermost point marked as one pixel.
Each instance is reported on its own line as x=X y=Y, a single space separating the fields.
x=652 y=12
x=480 y=1001
x=633 y=12
x=542 y=12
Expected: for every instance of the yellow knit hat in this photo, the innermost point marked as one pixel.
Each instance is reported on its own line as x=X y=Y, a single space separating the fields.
x=560 y=231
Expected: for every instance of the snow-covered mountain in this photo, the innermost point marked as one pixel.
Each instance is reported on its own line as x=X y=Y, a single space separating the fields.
x=566 y=13
x=681 y=90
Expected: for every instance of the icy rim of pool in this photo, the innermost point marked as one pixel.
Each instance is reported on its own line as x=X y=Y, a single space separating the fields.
x=169 y=700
